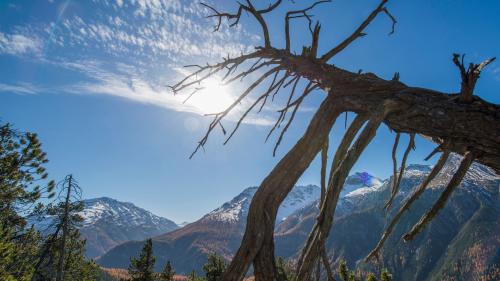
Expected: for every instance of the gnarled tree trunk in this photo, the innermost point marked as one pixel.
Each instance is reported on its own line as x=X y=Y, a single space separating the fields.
x=460 y=123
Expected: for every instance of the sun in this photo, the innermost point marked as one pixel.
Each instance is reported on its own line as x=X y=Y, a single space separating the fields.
x=213 y=97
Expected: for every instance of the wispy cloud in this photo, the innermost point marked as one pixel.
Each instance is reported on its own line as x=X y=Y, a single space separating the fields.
x=125 y=81
x=19 y=44
x=21 y=88
x=150 y=30
x=131 y=49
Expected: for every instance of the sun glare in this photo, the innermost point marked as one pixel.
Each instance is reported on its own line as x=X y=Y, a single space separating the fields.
x=213 y=98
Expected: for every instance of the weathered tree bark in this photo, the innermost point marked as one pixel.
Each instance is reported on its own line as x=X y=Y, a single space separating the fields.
x=462 y=121
x=434 y=115
x=325 y=218
x=258 y=244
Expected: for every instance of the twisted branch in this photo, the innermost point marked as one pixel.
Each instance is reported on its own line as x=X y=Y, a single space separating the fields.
x=454 y=182
x=396 y=183
x=406 y=206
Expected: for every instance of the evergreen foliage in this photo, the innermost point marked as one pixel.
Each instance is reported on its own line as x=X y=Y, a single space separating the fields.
x=168 y=272
x=343 y=270
x=26 y=255
x=349 y=275
x=17 y=255
x=285 y=271
x=385 y=275
x=371 y=277
x=142 y=268
x=21 y=170
x=194 y=277
x=214 y=268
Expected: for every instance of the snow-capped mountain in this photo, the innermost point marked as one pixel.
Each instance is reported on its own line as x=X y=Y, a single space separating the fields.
x=358 y=187
x=470 y=222
x=237 y=209
x=222 y=229
x=360 y=183
x=121 y=213
x=461 y=243
x=108 y=222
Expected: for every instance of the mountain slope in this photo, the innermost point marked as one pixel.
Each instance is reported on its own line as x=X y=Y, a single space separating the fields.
x=108 y=222
x=460 y=244
x=219 y=231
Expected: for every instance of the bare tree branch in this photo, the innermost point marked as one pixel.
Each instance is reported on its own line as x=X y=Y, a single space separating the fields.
x=396 y=183
x=469 y=76
x=454 y=182
x=359 y=31
x=416 y=194
x=236 y=17
x=300 y=14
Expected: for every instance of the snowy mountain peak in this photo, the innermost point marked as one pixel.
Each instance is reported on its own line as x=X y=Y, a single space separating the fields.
x=360 y=183
x=236 y=209
x=122 y=213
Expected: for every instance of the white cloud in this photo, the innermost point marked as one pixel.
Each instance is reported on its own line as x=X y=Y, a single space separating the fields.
x=161 y=29
x=20 y=88
x=125 y=81
x=143 y=43
x=19 y=44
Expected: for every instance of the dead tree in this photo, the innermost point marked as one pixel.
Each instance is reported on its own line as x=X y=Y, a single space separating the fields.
x=458 y=122
x=65 y=217
x=63 y=212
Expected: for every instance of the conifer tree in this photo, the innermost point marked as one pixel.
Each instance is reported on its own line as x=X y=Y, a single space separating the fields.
x=353 y=276
x=214 y=268
x=285 y=272
x=24 y=254
x=22 y=168
x=23 y=181
x=194 y=277
x=371 y=277
x=168 y=272
x=17 y=255
x=142 y=269
x=385 y=275
x=343 y=270
x=62 y=256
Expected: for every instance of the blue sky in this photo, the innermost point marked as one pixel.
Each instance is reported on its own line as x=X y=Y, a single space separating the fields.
x=90 y=78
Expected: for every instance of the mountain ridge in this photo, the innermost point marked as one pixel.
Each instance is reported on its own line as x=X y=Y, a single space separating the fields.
x=108 y=222
x=218 y=231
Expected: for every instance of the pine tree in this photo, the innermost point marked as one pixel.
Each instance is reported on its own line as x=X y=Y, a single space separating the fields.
x=214 y=268
x=284 y=269
x=385 y=275
x=168 y=272
x=23 y=181
x=142 y=269
x=62 y=255
x=343 y=270
x=21 y=170
x=371 y=277
x=24 y=254
x=353 y=276
x=194 y=277
x=17 y=255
